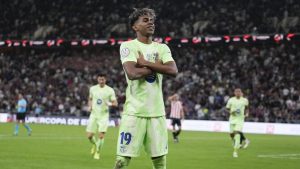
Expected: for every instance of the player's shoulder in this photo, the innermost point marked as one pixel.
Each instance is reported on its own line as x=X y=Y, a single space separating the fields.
x=129 y=43
x=94 y=87
x=245 y=99
x=108 y=87
x=161 y=45
x=231 y=99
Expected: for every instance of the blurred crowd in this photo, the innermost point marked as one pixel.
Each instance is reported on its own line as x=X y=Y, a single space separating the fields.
x=56 y=82
x=78 y=19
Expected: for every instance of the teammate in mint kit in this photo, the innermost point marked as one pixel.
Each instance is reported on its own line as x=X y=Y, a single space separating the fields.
x=237 y=106
x=101 y=97
x=143 y=123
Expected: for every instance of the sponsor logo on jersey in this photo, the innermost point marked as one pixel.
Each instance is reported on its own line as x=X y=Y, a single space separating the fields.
x=151 y=78
x=99 y=101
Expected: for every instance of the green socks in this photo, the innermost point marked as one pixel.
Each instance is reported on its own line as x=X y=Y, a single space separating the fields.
x=122 y=162
x=160 y=162
x=237 y=138
x=99 y=144
x=93 y=140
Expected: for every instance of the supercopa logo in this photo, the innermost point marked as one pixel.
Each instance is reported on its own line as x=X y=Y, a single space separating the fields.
x=151 y=78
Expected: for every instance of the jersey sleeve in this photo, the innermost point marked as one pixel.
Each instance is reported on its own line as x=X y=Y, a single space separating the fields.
x=113 y=95
x=22 y=103
x=228 y=105
x=90 y=93
x=246 y=102
x=166 y=55
x=127 y=53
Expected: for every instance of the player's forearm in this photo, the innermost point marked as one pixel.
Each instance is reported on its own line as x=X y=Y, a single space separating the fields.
x=170 y=98
x=114 y=103
x=228 y=110
x=167 y=69
x=138 y=73
x=182 y=114
x=90 y=105
x=246 y=112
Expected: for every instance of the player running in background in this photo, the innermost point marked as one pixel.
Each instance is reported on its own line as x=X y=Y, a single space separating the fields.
x=143 y=122
x=21 y=115
x=176 y=115
x=101 y=97
x=238 y=108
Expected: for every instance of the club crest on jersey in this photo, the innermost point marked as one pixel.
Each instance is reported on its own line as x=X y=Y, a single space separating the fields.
x=151 y=78
x=123 y=149
x=125 y=52
x=99 y=101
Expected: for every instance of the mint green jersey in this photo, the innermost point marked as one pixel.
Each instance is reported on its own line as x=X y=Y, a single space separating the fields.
x=100 y=97
x=238 y=106
x=144 y=97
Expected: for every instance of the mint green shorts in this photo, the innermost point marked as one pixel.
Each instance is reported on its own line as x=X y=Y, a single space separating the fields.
x=236 y=127
x=136 y=133
x=96 y=124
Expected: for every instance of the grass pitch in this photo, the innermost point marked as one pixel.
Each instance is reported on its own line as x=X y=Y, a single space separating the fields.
x=66 y=147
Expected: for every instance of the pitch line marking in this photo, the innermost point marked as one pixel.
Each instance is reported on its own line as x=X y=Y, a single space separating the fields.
x=281 y=156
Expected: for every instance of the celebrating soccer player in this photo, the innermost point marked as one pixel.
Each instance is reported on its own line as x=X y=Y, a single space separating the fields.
x=143 y=121
x=238 y=108
x=101 y=97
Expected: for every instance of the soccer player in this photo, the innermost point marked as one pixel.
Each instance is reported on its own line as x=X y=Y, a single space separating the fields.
x=176 y=115
x=143 y=122
x=238 y=108
x=21 y=115
x=101 y=97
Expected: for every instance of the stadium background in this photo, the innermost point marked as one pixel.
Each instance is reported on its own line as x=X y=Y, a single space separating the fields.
x=51 y=51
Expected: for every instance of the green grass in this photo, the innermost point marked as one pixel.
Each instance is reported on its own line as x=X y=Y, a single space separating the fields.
x=66 y=147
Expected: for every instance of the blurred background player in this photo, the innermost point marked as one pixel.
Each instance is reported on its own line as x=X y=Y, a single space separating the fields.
x=143 y=122
x=21 y=115
x=237 y=106
x=101 y=97
x=176 y=115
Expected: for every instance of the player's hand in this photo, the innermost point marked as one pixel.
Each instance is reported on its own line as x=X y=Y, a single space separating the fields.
x=158 y=61
x=108 y=103
x=141 y=60
x=247 y=115
x=89 y=109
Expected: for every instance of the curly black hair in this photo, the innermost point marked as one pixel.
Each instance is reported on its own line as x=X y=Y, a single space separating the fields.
x=134 y=16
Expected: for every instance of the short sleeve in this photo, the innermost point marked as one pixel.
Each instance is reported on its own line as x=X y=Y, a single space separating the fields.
x=228 y=105
x=90 y=93
x=113 y=95
x=166 y=55
x=127 y=53
x=246 y=102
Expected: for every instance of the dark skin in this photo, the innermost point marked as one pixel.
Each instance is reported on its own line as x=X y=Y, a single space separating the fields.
x=144 y=28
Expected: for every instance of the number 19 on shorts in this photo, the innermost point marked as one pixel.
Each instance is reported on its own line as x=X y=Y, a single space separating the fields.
x=125 y=137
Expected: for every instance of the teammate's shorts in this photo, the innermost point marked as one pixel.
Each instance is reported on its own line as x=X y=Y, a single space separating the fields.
x=236 y=127
x=175 y=121
x=96 y=124
x=136 y=133
x=21 y=116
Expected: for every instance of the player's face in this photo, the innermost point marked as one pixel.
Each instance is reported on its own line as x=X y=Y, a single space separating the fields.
x=101 y=80
x=145 y=25
x=238 y=92
x=20 y=96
